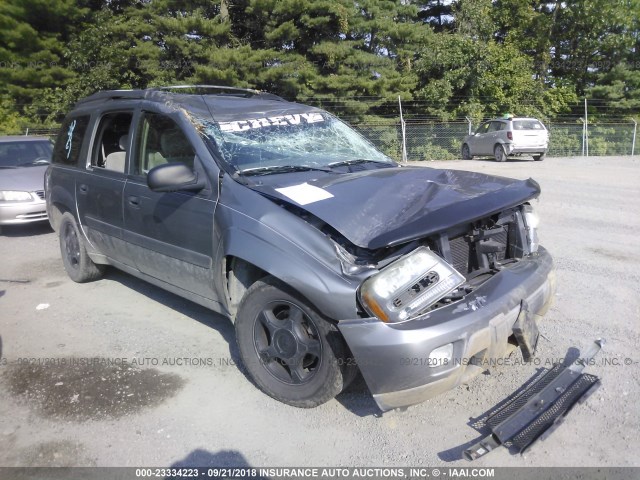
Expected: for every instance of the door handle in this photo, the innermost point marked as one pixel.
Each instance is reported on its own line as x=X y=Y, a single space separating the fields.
x=83 y=188
x=134 y=201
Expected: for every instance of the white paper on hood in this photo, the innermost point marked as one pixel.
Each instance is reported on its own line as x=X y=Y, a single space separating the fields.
x=304 y=193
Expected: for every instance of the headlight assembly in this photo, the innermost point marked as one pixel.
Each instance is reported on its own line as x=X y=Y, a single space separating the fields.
x=14 y=196
x=531 y=221
x=408 y=286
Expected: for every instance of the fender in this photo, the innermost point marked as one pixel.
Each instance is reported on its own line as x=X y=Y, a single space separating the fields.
x=62 y=194
x=306 y=262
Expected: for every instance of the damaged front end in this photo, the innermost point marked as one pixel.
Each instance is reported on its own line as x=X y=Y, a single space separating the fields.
x=434 y=316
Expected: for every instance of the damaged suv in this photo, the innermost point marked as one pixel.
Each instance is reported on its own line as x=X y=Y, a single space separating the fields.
x=328 y=256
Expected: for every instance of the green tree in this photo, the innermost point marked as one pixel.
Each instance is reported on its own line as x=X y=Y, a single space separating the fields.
x=477 y=70
x=33 y=34
x=333 y=48
x=591 y=37
x=137 y=45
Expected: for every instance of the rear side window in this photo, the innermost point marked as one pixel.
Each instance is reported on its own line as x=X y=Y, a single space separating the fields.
x=527 y=125
x=496 y=126
x=112 y=142
x=69 y=141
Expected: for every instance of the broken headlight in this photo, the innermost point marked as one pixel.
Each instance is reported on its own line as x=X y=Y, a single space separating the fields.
x=531 y=221
x=408 y=286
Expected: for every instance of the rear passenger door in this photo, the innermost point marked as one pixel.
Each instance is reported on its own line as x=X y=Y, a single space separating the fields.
x=100 y=185
x=170 y=234
x=495 y=135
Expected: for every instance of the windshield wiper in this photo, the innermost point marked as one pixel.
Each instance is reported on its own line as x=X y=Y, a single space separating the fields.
x=281 y=169
x=355 y=162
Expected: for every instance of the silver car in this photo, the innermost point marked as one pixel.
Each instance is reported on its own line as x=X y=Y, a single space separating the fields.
x=503 y=137
x=23 y=161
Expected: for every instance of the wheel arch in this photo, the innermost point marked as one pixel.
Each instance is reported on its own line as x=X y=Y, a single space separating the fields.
x=247 y=258
x=59 y=201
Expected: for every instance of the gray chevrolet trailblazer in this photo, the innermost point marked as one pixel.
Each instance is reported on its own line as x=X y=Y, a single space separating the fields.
x=328 y=256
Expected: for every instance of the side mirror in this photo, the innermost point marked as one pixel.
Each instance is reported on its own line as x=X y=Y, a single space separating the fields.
x=173 y=177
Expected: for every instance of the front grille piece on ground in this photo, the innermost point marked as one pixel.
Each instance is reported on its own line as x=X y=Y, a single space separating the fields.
x=538 y=408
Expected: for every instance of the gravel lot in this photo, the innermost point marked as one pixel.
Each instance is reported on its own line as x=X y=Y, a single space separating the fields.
x=186 y=403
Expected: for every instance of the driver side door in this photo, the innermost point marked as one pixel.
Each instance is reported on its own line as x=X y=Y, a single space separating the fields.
x=170 y=233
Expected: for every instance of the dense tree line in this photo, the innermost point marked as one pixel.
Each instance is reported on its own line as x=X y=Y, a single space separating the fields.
x=451 y=57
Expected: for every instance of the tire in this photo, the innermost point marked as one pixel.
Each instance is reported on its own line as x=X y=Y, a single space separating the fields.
x=499 y=153
x=289 y=351
x=466 y=153
x=77 y=263
x=540 y=157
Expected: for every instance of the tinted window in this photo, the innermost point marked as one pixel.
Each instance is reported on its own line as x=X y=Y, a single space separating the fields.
x=527 y=125
x=496 y=126
x=483 y=128
x=160 y=140
x=69 y=141
x=24 y=153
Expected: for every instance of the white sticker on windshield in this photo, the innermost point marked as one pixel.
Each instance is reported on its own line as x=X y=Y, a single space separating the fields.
x=304 y=193
x=283 y=120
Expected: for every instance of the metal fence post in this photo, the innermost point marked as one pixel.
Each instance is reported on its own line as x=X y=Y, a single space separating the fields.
x=633 y=143
x=404 y=138
x=586 y=125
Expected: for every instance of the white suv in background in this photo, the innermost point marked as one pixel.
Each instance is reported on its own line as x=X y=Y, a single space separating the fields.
x=502 y=137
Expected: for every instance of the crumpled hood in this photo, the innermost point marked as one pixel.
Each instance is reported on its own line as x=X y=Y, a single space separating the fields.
x=25 y=179
x=390 y=206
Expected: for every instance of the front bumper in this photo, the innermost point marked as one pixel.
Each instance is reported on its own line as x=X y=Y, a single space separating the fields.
x=394 y=358
x=22 y=212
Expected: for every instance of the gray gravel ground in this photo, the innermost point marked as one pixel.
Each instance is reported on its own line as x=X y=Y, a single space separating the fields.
x=203 y=411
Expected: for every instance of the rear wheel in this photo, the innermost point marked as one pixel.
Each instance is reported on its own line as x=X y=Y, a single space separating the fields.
x=466 y=153
x=499 y=153
x=77 y=263
x=290 y=352
x=540 y=157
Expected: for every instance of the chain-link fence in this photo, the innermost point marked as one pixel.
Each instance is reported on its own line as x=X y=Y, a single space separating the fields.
x=433 y=140
x=41 y=132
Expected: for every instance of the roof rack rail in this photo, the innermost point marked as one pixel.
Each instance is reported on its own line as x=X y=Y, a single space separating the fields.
x=209 y=87
x=204 y=89
x=113 y=95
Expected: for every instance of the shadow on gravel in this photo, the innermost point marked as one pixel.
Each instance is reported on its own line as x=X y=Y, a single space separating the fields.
x=509 y=160
x=27 y=230
x=356 y=398
x=185 y=307
x=220 y=459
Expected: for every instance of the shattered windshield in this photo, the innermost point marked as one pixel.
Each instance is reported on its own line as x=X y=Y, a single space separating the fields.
x=312 y=140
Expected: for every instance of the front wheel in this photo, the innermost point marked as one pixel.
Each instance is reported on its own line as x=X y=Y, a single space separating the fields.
x=499 y=153
x=290 y=352
x=77 y=263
